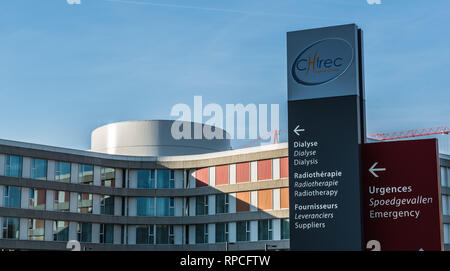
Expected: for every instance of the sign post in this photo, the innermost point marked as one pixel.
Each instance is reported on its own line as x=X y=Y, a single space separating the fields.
x=326 y=128
x=401 y=197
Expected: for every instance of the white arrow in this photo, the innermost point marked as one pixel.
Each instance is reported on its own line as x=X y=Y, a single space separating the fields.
x=372 y=169
x=297 y=129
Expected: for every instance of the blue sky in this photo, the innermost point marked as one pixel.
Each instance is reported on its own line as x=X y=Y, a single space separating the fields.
x=67 y=69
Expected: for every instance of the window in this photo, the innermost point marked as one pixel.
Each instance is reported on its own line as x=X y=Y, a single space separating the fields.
x=62 y=171
x=108 y=177
x=446 y=230
x=166 y=179
x=221 y=203
x=11 y=197
x=106 y=233
x=201 y=205
x=10 y=228
x=221 y=232
x=145 y=234
x=265 y=230
x=86 y=174
x=145 y=206
x=243 y=231
x=85 y=203
x=107 y=205
x=201 y=233
x=13 y=166
x=84 y=232
x=36 y=229
x=38 y=169
x=61 y=201
x=444 y=176
x=284 y=228
x=61 y=231
x=164 y=234
x=146 y=178
x=37 y=199
x=165 y=206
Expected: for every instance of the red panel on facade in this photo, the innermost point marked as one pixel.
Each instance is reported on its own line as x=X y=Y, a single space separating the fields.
x=264 y=169
x=222 y=175
x=243 y=173
x=202 y=177
x=284 y=167
x=284 y=198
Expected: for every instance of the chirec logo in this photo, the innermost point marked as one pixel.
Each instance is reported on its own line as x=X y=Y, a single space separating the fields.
x=322 y=62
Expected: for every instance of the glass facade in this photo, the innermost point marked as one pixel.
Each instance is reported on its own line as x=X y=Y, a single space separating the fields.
x=10 y=228
x=61 y=201
x=156 y=206
x=243 y=231
x=201 y=233
x=86 y=174
x=36 y=228
x=265 y=230
x=201 y=205
x=37 y=199
x=38 y=169
x=145 y=206
x=166 y=179
x=13 y=166
x=61 y=231
x=284 y=228
x=84 y=232
x=146 y=178
x=106 y=205
x=164 y=234
x=62 y=171
x=145 y=234
x=108 y=177
x=106 y=233
x=165 y=206
x=85 y=203
x=221 y=203
x=11 y=196
x=221 y=232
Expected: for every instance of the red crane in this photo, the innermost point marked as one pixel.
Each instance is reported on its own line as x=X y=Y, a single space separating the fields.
x=411 y=133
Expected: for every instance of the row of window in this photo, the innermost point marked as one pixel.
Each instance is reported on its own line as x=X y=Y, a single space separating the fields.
x=265 y=201
x=61 y=200
x=145 y=234
x=264 y=170
x=145 y=178
x=39 y=170
x=60 y=230
x=243 y=231
x=159 y=206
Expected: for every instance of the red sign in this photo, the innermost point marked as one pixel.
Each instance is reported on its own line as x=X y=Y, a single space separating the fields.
x=402 y=196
